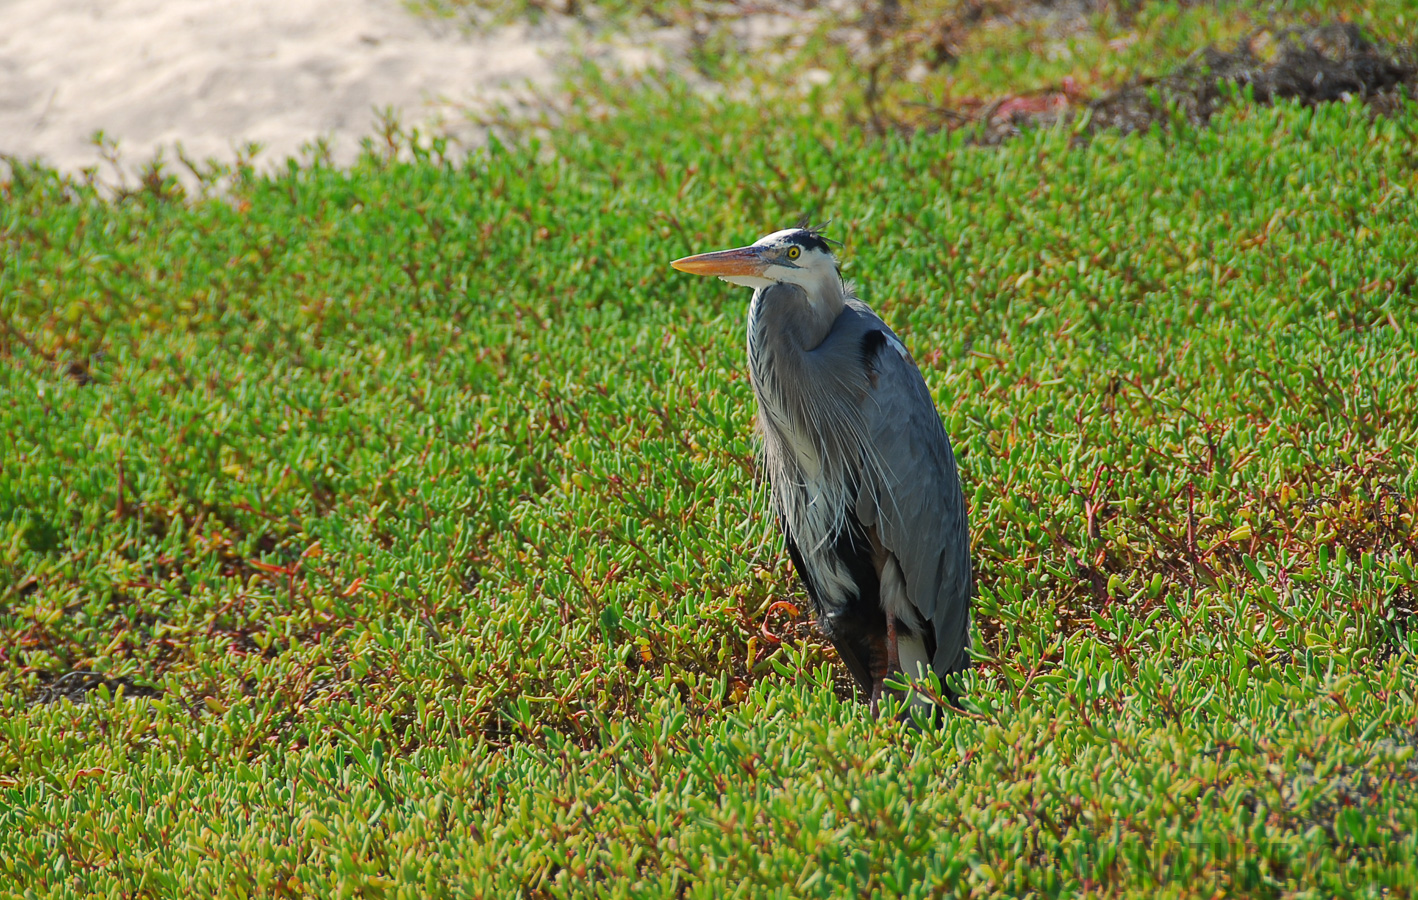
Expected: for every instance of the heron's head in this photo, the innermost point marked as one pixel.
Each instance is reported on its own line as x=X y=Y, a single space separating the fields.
x=793 y=256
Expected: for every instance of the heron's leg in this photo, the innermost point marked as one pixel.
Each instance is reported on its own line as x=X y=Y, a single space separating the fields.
x=893 y=654
x=893 y=665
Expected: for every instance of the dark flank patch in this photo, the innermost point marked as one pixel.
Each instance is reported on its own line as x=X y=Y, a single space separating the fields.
x=872 y=342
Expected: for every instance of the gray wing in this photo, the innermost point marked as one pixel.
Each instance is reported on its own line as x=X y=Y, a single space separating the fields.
x=916 y=501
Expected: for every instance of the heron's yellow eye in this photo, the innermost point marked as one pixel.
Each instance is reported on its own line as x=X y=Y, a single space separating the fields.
x=794 y=252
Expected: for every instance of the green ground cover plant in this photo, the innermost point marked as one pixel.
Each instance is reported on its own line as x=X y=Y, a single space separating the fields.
x=392 y=531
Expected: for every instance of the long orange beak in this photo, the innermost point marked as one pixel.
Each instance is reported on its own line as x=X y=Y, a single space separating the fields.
x=743 y=261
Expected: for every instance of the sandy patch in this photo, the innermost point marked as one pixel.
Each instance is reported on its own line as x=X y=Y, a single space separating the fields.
x=215 y=74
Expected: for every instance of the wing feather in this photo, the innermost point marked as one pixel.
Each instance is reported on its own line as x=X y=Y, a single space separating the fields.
x=912 y=495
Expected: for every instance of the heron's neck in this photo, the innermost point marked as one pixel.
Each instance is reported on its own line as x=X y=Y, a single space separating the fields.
x=802 y=318
x=802 y=402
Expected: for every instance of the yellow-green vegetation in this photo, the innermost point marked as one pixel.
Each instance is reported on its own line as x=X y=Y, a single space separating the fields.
x=406 y=517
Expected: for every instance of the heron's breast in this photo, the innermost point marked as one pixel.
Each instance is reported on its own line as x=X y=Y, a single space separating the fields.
x=801 y=448
x=795 y=443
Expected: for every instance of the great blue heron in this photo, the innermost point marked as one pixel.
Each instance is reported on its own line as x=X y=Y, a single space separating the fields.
x=861 y=472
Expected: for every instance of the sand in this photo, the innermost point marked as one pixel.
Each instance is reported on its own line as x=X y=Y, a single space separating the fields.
x=215 y=74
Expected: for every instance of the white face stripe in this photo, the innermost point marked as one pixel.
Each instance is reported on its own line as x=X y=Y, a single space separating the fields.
x=776 y=237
